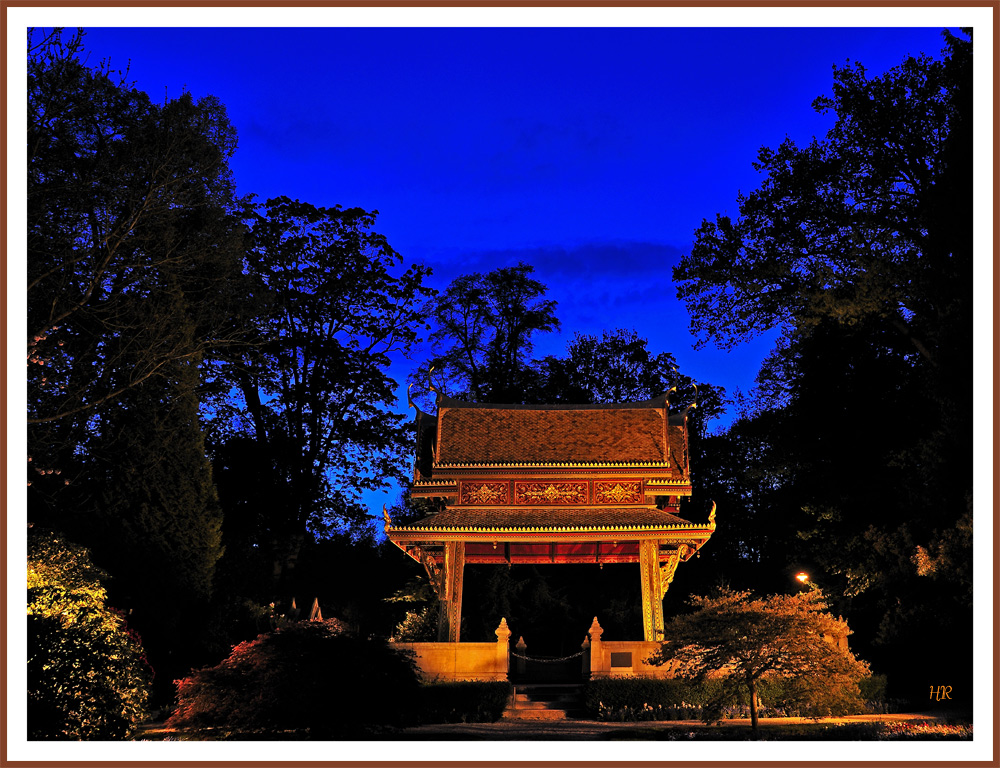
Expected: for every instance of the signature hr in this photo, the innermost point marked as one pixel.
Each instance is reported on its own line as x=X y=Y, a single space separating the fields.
x=940 y=692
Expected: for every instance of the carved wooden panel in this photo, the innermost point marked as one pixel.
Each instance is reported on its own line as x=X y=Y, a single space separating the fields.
x=618 y=492
x=550 y=494
x=484 y=494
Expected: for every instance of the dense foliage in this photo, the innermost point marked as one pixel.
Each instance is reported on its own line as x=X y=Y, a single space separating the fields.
x=744 y=641
x=209 y=394
x=306 y=675
x=853 y=458
x=313 y=409
x=466 y=702
x=87 y=674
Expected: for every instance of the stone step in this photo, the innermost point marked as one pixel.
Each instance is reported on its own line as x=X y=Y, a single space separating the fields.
x=544 y=701
x=534 y=714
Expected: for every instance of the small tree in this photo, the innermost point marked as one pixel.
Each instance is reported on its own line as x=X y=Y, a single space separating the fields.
x=744 y=640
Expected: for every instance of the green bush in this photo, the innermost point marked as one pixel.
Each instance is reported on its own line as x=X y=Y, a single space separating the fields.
x=628 y=699
x=467 y=702
x=87 y=674
x=873 y=688
x=309 y=675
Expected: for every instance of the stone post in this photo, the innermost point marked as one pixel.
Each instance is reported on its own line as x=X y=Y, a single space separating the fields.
x=502 y=660
x=596 y=650
x=585 y=645
x=522 y=650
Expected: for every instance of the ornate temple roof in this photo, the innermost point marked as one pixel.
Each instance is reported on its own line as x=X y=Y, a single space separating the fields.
x=487 y=434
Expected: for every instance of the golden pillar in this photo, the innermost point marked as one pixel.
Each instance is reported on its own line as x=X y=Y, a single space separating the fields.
x=652 y=589
x=450 y=605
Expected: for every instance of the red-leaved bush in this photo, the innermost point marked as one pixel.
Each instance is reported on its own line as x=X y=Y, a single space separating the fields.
x=309 y=675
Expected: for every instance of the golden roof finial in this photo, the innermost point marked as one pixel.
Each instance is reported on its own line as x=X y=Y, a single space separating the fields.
x=385 y=516
x=409 y=399
x=430 y=383
x=711 y=516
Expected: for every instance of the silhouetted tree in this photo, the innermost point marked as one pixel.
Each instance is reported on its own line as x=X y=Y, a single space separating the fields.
x=858 y=247
x=485 y=324
x=314 y=398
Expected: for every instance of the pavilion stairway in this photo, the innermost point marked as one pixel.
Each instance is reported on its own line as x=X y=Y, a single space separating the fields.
x=545 y=701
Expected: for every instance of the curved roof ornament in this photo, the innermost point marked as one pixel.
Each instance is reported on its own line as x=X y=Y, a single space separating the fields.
x=430 y=381
x=694 y=403
x=673 y=389
x=386 y=517
x=409 y=399
x=711 y=516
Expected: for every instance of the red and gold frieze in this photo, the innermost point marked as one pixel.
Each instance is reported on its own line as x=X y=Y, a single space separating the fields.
x=550 y=494
x=618 y=492
x=484 y=494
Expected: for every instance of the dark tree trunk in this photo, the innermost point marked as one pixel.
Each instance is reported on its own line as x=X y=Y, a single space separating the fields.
x=753 y=708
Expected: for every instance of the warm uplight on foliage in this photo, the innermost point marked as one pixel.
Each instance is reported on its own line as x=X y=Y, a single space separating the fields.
x=87 y=674
x=744 y=642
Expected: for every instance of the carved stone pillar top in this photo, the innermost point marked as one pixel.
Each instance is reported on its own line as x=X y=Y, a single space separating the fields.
x=503 y=631
x=596 y=631
x=586 y=642
x=521 y=645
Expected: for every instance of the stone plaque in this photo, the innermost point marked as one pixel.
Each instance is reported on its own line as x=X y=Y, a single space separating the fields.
x=623 y=659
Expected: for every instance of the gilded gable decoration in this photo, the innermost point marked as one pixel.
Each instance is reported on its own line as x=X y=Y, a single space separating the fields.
x=618 y=492
x=550 y=493
x=485 y=493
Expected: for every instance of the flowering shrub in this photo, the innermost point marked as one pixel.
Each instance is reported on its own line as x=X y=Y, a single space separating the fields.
x=308 y=675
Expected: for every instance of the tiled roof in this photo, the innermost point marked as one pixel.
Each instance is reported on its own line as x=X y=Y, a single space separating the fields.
x=547 y=519
x=496 y=434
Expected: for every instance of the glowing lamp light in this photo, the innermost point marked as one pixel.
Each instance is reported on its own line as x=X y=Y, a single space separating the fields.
x=802 y=576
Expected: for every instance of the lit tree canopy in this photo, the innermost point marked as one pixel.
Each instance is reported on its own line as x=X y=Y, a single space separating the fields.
x=747 y=639
x=87 y=674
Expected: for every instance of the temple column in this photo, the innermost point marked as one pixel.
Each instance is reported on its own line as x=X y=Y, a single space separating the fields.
x=450 y=598
x=652 y=591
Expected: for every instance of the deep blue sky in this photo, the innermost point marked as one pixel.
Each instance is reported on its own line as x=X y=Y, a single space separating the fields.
x=592 y=154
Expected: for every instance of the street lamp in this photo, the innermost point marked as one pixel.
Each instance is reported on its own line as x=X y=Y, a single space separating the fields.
x=802 y=577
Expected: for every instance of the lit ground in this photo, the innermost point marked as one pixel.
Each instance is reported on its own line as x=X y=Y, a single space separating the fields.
x=913 y=725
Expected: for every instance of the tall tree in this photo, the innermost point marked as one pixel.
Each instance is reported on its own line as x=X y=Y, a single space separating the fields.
x=858 y=247
x=121 y=191
x=314 y=398
x=485 y=329
x=838 y=228
x=134 y=249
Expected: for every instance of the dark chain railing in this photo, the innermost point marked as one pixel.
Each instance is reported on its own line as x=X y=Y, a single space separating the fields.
x=547 y=661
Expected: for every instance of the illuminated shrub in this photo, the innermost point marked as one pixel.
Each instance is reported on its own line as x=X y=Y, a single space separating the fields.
x=87 y=674
x=308 y=675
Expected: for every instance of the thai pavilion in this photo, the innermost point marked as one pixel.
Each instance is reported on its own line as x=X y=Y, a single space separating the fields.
x=550 y=484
